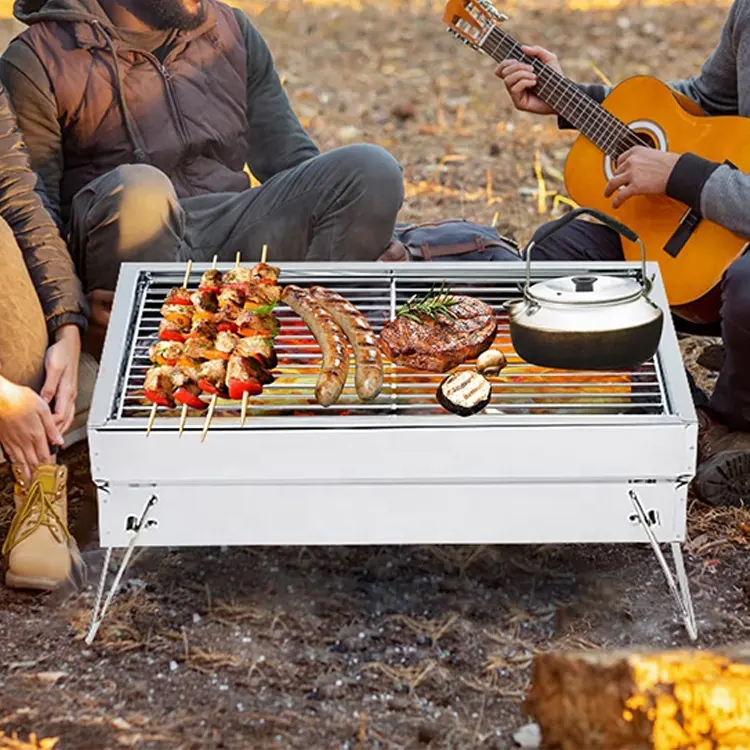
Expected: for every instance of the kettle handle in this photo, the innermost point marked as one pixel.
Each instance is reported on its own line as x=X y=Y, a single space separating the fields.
x=619 y=227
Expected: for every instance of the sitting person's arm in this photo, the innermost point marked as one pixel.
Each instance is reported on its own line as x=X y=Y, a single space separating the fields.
x=49 y=265
x=30 y=91
x=276 y=139
x=716 y=191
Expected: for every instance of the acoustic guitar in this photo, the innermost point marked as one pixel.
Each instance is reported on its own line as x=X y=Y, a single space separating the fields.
x=692 y=252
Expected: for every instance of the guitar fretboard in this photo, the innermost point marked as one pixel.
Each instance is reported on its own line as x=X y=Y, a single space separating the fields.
x=587 y=116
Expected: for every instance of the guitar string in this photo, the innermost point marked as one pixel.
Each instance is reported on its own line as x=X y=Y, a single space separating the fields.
x=603 y=127
x=600 y=126
x=603 y=121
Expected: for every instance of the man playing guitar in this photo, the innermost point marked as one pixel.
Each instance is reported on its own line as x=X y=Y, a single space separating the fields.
x=718 y=192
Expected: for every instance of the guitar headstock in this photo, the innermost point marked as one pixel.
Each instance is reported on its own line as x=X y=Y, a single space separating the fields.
x=472 y=20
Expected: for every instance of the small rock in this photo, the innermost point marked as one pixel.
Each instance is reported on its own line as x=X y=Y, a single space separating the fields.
x=348 y=133
x=121 y=724
x=399 y=703
x=173 y=666
x=529 y=736
x=196 y=618
x=494 y=149
x=51 y=678
x=403 y=111
x=426 y=734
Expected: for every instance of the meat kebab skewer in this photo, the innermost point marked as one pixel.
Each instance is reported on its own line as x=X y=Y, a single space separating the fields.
x=215 y=396
x=155 y=403
x=186 y=390
x=246 y=394
x=197 y=353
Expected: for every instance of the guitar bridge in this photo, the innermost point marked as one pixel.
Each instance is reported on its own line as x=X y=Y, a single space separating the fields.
x=682 y=234
x=686 y=228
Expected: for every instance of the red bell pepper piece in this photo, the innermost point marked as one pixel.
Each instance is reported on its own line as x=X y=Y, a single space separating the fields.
x=238 y=387
x=184 y=396
x=208 y=387
x=179 y=296
x=227 y=325
x=167 y=335
x=160 y=399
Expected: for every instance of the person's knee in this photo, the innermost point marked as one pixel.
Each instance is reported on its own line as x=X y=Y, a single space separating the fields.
x=131 y=214
x=377 y=177
x=136 y=200
x=145 y=200
x=736 y=294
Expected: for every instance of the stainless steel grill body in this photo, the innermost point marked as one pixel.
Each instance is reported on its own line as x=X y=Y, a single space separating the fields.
x=539 y=465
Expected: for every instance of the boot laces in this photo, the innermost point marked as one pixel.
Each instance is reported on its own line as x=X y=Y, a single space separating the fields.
x=36 y=500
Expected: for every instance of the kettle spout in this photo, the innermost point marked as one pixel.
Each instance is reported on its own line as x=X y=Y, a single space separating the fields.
x=514 y=307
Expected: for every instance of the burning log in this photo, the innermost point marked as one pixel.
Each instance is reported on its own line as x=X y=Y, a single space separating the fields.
x=643 y=701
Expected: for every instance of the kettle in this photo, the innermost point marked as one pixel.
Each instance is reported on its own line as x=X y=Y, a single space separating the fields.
x=586 y=322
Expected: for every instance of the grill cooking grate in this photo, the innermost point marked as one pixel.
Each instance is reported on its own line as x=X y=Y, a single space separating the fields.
x=520 y=388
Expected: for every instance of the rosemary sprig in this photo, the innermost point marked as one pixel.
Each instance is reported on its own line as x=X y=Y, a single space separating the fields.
x=431 y=305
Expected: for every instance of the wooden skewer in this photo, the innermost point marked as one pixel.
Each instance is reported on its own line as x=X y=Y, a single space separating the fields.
x=264 y=255
x=187 y=274
x=183 y=418
x=213 y=264
x=151 y=419
x=245 y=397
x=209 y=416
x=239 y=257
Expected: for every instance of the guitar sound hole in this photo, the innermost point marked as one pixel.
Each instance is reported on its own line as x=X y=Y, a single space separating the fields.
x=647 y=139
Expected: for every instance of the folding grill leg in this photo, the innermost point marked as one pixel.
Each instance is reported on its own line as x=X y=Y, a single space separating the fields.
x=682 y=594
x=100 y=610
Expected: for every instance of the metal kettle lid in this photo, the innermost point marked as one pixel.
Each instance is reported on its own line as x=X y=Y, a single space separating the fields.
x=586 y=289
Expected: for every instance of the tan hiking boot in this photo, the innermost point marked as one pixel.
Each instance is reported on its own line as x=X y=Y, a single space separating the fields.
x=39 y=551
x=723 y=475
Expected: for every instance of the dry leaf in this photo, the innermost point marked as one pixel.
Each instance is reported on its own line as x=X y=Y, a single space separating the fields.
x=50 y=678
x=129 y=740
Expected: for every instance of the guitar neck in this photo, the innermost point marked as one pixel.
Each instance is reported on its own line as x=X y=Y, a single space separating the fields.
x=585 y=114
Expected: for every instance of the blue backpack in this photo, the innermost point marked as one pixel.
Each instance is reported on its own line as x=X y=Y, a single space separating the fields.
x=449 y=240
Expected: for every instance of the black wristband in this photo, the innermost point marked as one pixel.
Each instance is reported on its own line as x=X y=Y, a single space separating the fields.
x=688 y=177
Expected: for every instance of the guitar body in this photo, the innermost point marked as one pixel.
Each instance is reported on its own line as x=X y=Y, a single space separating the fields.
x=693 y=261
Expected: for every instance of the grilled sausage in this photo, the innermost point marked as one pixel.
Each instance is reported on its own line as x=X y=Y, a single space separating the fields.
x=369 y=363
x=331 y=340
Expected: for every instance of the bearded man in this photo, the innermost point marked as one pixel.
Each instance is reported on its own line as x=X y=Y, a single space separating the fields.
x=140 y=117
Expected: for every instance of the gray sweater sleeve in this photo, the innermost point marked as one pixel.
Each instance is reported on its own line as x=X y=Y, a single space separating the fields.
x=715 y=191
x=276 y=139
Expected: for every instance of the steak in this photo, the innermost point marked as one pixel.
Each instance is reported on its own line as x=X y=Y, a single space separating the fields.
x=439 y=344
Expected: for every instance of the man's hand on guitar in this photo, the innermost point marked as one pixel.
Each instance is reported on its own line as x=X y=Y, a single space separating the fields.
x=520 y=79
x=640 y=171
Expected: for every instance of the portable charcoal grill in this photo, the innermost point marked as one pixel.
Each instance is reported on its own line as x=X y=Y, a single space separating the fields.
x=557 y=457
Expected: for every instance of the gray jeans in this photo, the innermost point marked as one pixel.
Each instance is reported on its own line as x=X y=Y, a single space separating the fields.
x=581 y=240
x=339 y=206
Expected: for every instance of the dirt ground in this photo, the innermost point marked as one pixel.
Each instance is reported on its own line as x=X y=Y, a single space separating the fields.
x=378 y=647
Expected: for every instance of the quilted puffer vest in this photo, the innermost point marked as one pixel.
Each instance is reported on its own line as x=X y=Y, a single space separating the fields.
x=117 y=105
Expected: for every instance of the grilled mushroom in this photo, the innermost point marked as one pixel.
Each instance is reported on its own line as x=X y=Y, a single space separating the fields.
x=464 y=393
x=490 y=363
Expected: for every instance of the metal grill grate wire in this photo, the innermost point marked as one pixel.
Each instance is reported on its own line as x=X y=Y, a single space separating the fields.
x=520 y=389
